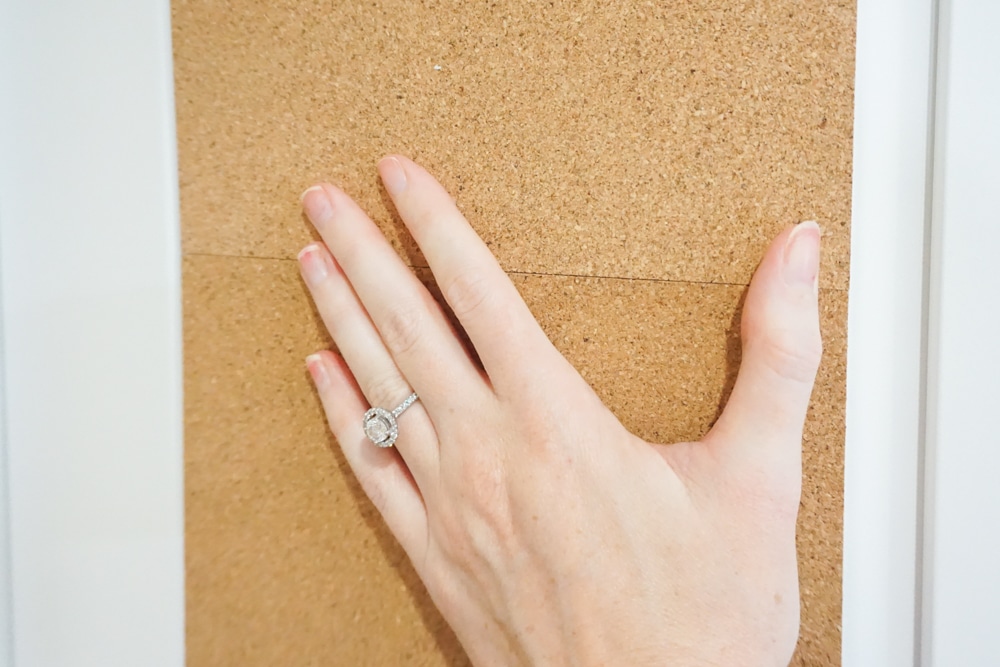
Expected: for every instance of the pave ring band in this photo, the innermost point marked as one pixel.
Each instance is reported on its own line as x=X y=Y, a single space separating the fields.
x=380 y=424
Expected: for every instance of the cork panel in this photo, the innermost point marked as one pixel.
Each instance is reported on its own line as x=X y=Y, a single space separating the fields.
x=663 y=356
x=288 y=563
x=621 y=138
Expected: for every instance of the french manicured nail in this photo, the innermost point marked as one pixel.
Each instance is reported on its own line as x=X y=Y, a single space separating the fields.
x=393 y=175
x=317 y=370
x=313 y=263
x=317 y=204
x=802 y=255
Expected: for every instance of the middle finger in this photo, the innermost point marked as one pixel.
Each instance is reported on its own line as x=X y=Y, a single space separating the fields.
x=376 y=374
x=410 y=322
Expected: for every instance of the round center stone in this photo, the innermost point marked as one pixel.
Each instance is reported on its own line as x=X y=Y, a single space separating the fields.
x=377 y=429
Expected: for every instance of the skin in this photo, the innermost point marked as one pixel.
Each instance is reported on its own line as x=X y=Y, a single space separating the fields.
x=544 y=531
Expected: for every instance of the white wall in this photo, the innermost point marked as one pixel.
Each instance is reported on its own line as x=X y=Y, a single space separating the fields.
x=91 y=331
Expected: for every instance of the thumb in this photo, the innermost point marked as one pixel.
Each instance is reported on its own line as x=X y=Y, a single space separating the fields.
x=780 y=335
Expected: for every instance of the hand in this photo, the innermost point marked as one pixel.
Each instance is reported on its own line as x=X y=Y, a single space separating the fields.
x=545 y=532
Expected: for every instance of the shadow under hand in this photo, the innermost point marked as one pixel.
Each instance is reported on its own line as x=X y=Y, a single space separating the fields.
x=734 y=355
x=447 y=643
x=410 y=250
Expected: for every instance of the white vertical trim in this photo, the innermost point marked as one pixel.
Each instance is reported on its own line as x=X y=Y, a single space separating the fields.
x=925 y=657
x=6 y=595
x=91 y=295
x=885 y=331
x=6 y=592
x=962 y=502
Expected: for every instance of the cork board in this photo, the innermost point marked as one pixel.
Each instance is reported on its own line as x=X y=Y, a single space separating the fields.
x=627 y=162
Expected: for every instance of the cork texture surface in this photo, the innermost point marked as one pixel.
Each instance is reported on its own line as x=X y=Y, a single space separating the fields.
x=628 y=163
x=288 y=563
x=623 y=138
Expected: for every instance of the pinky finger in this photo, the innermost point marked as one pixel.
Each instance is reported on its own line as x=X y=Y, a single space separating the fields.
x=381 y=472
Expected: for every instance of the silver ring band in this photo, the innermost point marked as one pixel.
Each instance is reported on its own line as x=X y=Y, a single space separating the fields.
x=380 y=424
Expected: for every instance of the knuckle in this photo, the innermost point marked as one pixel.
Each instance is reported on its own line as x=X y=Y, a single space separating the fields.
x=489 y=492
x=792 y=355
x=467 y=291
x=386 y=389
x=490 y=505
x=336 y=302
x=482 y=520
x=401 y=329
x=453 y=538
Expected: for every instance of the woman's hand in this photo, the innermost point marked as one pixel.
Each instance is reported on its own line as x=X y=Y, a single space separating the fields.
x=545 y=532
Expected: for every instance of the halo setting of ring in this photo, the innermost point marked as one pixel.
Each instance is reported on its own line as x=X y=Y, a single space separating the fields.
x=380 y=424
x=380 y=427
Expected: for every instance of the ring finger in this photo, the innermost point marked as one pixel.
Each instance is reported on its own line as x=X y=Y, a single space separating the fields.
x=411 y=324
x=370 y=363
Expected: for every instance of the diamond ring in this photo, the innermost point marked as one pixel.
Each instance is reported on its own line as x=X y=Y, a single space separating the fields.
x=380 y=424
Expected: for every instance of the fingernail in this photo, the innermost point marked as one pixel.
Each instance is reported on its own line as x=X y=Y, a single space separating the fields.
x=317 y=204
x=317 y=370
x=311 y=188
x=313 y=264
x=393 y=175
x=802 y=255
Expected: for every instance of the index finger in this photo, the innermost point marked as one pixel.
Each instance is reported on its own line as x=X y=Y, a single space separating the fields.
x=479 y=292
